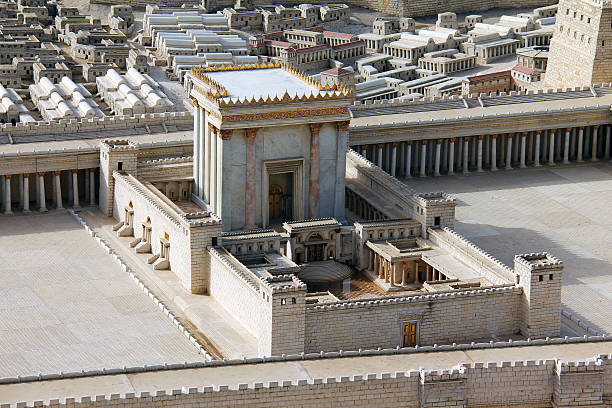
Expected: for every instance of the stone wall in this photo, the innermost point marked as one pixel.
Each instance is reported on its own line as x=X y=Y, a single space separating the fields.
x=442 y=319
x=238 y=291
x=188 y=255
x=526 y=384
x=106 y=123
x=482 y=262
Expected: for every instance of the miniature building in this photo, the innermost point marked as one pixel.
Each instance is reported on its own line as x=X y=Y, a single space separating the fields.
x=63 y=100
x=138 y=61
x=471 y=20
x=486 y=83
x=93 y=70
x=580 y=45
x=132 y=93
x=447 y=20
x=447 y=61
x=12 y=107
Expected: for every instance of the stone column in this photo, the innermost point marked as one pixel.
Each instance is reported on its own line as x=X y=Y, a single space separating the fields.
x=566 y=145
x=466 y=155
x=423 y=158
x=211 y=175
x=594 y=143
x=438 y=156
x=523 y=164
x=313 y=202
x=92 y=186
x=249 y=204
x=393 y=158
x=551 y=147
x=536 y=152
x=26 y=192
x=341 y=149
x=607 y=143
x=579 y=157
x=493 y=152
x=479 y=154
x=41 y=192
x=197 y=140
x=225 y=134
x=408 y=161
x=207 y=160
x=75 y=186
x=451 y=156
x=58 y=189
x=7 y=194
x=509 y=151
x=379 y=155
x=364 y=151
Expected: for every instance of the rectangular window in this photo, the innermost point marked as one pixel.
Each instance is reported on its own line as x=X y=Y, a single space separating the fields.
x=437 y=221
x=120 y=165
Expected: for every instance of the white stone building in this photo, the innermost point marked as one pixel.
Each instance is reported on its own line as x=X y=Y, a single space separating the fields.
x=63 y=100
x=133 y=93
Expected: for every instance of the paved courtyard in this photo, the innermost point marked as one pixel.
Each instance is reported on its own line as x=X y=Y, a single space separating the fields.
x=563 y=210
x=66 y=306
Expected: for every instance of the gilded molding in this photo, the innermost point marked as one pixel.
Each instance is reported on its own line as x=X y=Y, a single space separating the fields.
x=251 y=133
x=286 y=114
x=344 y=125
x=226 y=134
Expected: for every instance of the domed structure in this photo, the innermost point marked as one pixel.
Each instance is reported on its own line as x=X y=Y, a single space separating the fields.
x=325 y=272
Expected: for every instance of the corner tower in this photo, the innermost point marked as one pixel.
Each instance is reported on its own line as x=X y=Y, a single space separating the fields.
x=581 y=47
x=269 y=145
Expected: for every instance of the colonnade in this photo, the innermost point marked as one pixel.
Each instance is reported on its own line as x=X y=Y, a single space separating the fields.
x=404 y=271
x=361 y=207
x=436 y=157
x=446 y=67
x=498 y=50
x=62 y=187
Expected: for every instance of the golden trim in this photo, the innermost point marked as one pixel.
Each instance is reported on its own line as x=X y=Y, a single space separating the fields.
x=285 y=114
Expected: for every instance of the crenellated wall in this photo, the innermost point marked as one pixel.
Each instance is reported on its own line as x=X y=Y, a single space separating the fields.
x=525 y=384
x=483 y=314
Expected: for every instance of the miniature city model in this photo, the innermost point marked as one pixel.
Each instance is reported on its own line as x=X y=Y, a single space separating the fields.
x=249 y=205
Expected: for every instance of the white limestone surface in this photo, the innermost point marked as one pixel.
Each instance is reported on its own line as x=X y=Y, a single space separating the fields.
x=65 y=305
x=256 y=83
x=564 y=210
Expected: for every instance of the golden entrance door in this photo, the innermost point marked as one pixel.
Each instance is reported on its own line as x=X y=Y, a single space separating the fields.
x=409 y=334
x=275 y=200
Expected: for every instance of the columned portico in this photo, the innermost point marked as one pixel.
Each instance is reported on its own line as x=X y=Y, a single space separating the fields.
x=479 y=154
x=451 y=156
x=594 y=143
x=408 y=161
x=509 y=152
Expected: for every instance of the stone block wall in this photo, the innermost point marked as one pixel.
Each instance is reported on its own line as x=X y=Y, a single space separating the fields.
x=167 y=168
x=482 y=262
x=443 y=319
x=187 y=244
x=240 y=294
x=525 y=384
x=288 y=318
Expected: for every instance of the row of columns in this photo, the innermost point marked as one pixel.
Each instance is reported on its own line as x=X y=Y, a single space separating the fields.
x=448 y=66
x=403 y=272
x=41 y=198
x=498 y=50
x=361 y=208
x=491 y=152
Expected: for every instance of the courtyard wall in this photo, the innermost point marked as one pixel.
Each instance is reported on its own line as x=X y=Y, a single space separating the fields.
x=443 y=318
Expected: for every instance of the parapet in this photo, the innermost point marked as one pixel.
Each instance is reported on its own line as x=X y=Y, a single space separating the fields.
x=118 y=145
x=538 y=261
x=434 y=199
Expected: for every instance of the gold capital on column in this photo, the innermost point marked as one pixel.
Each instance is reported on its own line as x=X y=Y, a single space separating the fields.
x=596 y=127
x=395 y=144
x=510 y=135
x=57 y=172
x=409 y=143
x=8 y=176
x=493 y=136
x=480 y=137
x=74 y=171
x=26 y=175
x=381 y=145
x=525 y=133
x=344 y=125
x=439 y=141
x=424 y=142
x=251 y=133
x=226 y=134
x=315 y=128
x=41 y=173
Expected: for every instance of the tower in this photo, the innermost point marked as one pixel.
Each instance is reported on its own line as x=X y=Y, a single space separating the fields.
x=581 y=47
x=540 y=275
x=269 y=145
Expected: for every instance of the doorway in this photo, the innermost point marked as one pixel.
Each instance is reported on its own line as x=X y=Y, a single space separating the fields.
x=409 y=334
x=280 y=197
